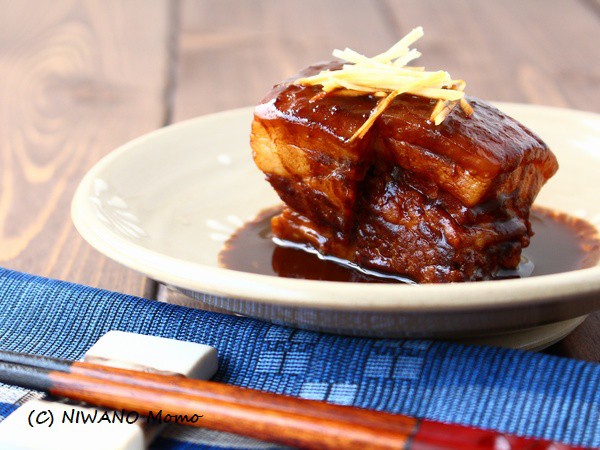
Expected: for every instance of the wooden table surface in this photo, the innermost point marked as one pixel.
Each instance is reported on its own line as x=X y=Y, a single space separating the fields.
x=79 y=78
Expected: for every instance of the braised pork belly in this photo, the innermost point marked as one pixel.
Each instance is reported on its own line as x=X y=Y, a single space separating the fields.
x=435 y=203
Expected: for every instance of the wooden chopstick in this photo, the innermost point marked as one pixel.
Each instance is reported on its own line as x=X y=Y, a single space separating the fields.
x=266 y=416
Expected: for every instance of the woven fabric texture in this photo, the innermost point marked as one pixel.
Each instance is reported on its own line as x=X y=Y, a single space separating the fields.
x=511 y=391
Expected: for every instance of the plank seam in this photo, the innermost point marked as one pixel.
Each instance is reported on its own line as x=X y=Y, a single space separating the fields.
x=172 y=60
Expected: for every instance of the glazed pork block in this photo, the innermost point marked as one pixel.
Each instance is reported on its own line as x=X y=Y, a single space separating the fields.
x=433 y=203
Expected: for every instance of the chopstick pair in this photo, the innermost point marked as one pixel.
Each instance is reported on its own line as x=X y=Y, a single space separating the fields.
x=269 y=417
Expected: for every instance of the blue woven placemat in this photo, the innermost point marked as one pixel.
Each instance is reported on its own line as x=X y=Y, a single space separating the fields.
x=511 y=391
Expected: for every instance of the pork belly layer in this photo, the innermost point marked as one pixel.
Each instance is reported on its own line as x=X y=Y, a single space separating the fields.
x=434 y=203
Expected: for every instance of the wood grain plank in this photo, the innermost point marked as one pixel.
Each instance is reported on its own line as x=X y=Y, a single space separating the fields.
x=232 y=52
x=583 y=343
x=539 y=51
x=77 y=80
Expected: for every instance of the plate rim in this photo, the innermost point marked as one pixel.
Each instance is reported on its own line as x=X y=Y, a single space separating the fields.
x=267 y=289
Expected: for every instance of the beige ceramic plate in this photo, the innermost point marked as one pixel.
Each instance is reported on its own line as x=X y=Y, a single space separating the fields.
x=164 y=203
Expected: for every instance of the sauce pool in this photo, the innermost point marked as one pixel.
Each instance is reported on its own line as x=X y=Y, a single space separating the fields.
x=561 y=243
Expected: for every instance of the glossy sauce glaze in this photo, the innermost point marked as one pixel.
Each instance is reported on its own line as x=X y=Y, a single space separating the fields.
x=561 y=243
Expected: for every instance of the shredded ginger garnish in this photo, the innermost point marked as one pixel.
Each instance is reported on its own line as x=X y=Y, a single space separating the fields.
x=387 y=76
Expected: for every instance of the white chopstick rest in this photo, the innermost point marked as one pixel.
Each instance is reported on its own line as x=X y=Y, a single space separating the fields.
x=130 y=350
x=49 y=425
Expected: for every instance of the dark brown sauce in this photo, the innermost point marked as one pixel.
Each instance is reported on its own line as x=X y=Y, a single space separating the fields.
x=561 y=243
